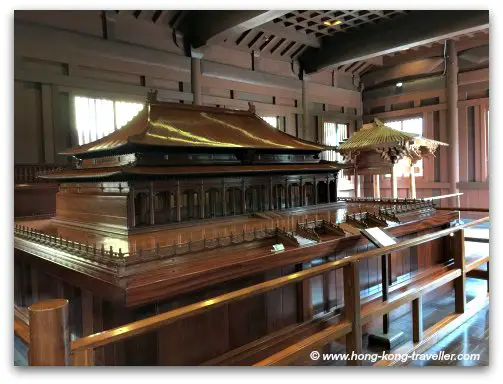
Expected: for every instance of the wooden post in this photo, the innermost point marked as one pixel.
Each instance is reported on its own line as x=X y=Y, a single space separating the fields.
x=233 y=200
x=356 y=182
x=286 y=193
x=458 y=252
x=151 y=203
x=452 y=115
x=305 y=108
x=412 y=179
x=328 y=189
x=336 y=180
x=304 y=295
x=243 y=197
x=49 y=333
x=417 y=319
x=315 y=188
x=352 y=309
x=83 y=358
x=132 y=208
x=301 y=191
x=201 y=201
x=385 y=282
x=394 y=185
x=224 y=200
x=377 y=188
x=195 y=78
x=178 y=203
x=270 y=194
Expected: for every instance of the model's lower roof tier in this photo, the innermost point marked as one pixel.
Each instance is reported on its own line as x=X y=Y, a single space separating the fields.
x=127 y=173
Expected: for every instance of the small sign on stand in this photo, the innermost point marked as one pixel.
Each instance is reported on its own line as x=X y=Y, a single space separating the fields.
x=278 y=247
x=386 y=339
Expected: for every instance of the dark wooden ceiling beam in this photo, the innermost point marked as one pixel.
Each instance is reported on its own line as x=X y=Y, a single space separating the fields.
x=475 y=55
x=417 y=28
x=289 y=34
x=414 y=68
x=204 y=27
x=479 y=39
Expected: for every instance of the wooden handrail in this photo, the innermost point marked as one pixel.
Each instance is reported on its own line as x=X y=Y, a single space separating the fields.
x=154 y=322
x=149 y=324
x=21 y=324
x=369 y=312
x=415 y=241
x=462 y=209
x=22 y=330
x=443 y=196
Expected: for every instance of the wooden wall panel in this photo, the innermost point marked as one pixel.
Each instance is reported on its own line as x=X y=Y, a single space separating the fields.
x=112 y=209
x=71 y=57
x=28 y=132
x=473 y=167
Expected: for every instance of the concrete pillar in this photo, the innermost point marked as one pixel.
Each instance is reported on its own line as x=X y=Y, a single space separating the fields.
x=195 y=78
x=377 y=188
x=452 y=115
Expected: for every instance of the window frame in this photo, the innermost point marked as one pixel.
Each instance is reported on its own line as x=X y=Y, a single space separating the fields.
x=83 y=137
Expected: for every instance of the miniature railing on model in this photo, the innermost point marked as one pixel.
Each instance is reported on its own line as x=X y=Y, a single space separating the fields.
x=118 y=258
x=53 y=347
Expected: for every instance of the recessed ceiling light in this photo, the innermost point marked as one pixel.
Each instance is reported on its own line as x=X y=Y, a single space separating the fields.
x=399 y=84
x=332 y=23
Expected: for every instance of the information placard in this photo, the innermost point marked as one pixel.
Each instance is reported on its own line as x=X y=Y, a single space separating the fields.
x=378 y=237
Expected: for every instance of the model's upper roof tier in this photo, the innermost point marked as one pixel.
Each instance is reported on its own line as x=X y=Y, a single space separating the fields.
x=389 y=142
x=168 y=127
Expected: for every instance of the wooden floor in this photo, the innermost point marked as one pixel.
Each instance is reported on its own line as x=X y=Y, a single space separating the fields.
x=471 y=337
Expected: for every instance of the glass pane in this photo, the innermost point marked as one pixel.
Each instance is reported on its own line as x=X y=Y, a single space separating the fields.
x=271 y=120
x=95 y=118
x=413 y=126
x=125 y=111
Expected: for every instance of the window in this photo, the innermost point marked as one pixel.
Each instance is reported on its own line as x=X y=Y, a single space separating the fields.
x=271 y=120
x=415 y=126
x=95 y=118
x=333 y=135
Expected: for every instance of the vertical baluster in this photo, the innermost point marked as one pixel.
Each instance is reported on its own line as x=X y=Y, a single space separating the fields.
x=352 y=309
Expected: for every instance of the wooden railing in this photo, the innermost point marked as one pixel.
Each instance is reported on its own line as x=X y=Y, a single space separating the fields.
x=117 y=258
x=81 y=350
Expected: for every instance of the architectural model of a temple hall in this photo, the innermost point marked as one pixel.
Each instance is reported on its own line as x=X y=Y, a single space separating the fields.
x=186 y=202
